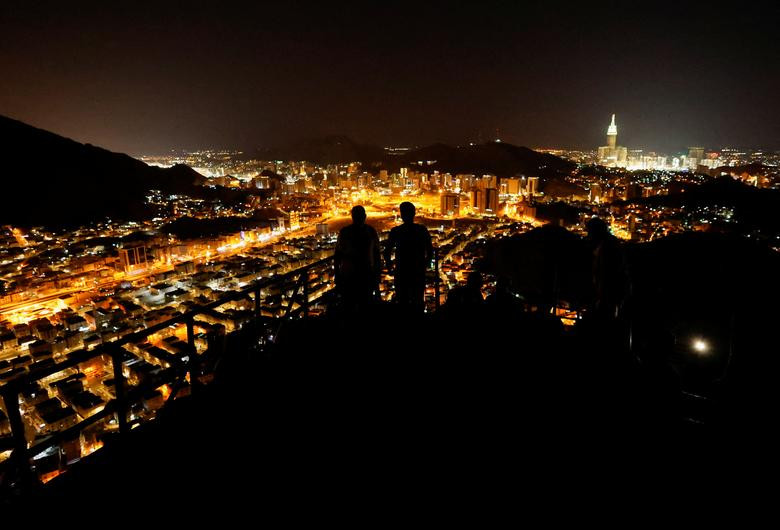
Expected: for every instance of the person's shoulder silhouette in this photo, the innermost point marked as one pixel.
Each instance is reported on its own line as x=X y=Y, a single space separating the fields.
x=609 y=270
x=413 y=249
x=410 y=241
x=466 y=296
x=357 y=258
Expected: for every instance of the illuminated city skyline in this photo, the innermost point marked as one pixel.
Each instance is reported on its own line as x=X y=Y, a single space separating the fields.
x=244 y=248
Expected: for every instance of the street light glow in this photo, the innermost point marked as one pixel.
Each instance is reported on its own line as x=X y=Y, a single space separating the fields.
x=700 y=346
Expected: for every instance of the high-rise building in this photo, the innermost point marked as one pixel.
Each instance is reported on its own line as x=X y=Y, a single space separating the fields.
x=695 y=156
x=263 y=182
x=133 y=259
x=295 y=220
x=596 y=193
x=491 y=200
x=484 y=200
x=612 y=155
x=466 y=182
x=512 y=186
x=533 y=186
x=696 y=152
x=489 y=181
x=478 y=200
x=648 y=162
x=450 y=204
x=612 y=134
x=634 y=158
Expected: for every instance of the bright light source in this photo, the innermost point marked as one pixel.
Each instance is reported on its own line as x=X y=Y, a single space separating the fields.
x=700 y=346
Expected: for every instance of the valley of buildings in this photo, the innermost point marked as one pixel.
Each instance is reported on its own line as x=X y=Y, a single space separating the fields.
x=62 y=292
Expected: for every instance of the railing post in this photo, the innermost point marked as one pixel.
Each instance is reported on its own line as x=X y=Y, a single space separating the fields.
x=193 y=364
x=259 y=328
x=259 y=324
x=436 y=277
x=555 y=290
x=11 y=399
x=305 y=280
x=120 y=389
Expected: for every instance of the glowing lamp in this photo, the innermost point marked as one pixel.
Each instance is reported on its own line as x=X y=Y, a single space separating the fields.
x=700 y=346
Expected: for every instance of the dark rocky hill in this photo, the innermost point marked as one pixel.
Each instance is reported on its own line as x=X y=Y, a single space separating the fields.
x=51 y=180
x=501 y=159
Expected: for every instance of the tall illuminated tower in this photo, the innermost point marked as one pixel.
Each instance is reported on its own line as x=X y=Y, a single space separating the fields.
x=612 y=134
x=612 y=155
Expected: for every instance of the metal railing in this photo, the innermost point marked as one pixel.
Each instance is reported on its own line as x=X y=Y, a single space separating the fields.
x=178 y=372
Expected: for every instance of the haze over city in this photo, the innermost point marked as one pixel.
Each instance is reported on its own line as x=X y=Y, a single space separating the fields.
x=145 y=77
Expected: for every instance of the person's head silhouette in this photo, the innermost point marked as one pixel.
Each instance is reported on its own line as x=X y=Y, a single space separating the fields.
x=474 y=281
x=358 y=215
x=407 y=212
x=597 y=229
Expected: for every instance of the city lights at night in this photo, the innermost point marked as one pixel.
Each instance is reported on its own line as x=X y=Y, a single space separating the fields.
x=243 y=248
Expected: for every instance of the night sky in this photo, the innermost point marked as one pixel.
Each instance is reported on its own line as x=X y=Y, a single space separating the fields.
x=145 y=78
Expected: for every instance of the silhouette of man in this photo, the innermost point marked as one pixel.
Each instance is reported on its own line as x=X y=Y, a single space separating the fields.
x=610 y=279
x=413 y=250
x=503 y=300
x=357 y=261
x=467 y=296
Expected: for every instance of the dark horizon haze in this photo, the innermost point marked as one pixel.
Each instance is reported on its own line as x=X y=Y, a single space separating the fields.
x=144 y=79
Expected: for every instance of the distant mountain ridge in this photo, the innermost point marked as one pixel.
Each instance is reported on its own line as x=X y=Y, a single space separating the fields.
x=54 y=181
x=754 y=208
x=51 y=180
x=334 y=149
x=498 y=158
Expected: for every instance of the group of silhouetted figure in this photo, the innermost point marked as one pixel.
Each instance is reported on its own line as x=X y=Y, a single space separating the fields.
x=358 y=261
x=407 y=254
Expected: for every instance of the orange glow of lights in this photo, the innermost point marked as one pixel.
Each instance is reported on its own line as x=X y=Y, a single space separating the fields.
x=166 y=391
x=90 y=371
x=567 y=316
x=87 y=450
x=46 y=477
x=19 y=236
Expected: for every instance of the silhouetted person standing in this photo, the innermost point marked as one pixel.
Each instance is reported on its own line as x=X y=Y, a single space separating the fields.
x=357 y=260
x=469 y=296
x=413 y=250
x=609 y=272
x=503 y=301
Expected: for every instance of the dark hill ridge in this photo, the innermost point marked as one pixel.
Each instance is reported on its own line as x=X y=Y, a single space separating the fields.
x=754 y=208
x=328 y=150
x=57 y=182
x=498 y=158
x=51 y=180
x=749 y=169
